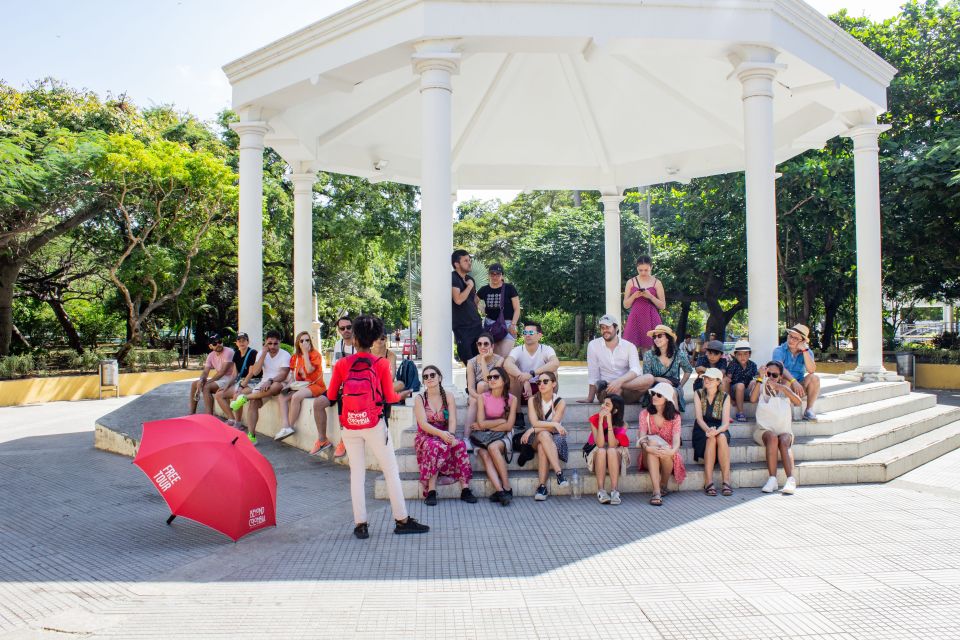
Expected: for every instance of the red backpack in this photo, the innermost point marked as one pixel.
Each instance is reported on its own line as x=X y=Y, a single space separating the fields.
x=361 y=398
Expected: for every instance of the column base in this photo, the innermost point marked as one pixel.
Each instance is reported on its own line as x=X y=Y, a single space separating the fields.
x=871 y=375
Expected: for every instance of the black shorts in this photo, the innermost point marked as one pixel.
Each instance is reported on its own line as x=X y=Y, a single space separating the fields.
x=466 y=340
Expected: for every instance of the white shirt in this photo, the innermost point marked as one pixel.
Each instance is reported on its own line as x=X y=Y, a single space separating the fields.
x=604 y=364
x=527 y=363
x=341 y=350
x=273 y=364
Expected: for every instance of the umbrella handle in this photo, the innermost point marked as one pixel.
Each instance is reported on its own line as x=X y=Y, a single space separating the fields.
x=170 y=519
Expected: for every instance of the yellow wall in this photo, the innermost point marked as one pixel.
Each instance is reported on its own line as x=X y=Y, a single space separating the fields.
x=30 y=390
x=938 y=376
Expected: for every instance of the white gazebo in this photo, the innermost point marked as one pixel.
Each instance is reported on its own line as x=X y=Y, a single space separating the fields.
x=560 y=94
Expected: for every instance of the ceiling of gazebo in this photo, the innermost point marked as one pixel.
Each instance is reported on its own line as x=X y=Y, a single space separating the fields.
x=555 y=94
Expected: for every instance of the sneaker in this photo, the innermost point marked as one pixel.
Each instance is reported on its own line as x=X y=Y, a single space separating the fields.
x=231 y=423
x=541 y=493
x=603 y=497
x=410 y=526
x=252 y=438
x=284 y=433
x=320 y=446
x=615 y=497
x=467 y=496
x=524 y=457
x=809 y=415
x=361 y=531
x=506 y=497
x=561 y=481
x=431 y=499
x=495 y=496
x=771 y=485
x=238 y=402
x=340 y=451
x=469 y=445
x=790 y=486
x=741 y=417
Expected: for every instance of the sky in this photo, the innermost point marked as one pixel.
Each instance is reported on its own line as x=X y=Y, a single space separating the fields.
x=171 y=51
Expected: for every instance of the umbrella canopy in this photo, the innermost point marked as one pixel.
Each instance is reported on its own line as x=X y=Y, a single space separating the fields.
x=210 y=473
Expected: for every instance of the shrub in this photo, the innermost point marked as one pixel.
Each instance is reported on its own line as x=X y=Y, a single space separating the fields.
x=947 y=340
x=90 y=360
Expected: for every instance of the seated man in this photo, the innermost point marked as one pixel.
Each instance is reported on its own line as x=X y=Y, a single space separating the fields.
x=527 y=361
x=613 y=366
x=274 y=367
x=217 y=373
x=799 y=366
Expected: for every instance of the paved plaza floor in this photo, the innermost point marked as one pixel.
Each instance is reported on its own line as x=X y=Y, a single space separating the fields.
x=84 y=552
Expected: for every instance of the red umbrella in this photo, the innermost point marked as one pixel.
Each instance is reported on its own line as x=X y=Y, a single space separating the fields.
x=209 y=472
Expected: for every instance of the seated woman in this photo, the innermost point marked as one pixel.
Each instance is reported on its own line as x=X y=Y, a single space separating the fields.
x=611 y=453
x=490 y=434
x=659 y=439
x=665 y=362
x=478 y=367
x=775 y=424
x=436 y=444
x=546 y=433
x=711 y=431
x=307 y=368
x=381 y=350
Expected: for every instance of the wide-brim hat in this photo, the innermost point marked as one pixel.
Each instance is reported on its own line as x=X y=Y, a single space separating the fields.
x=800 y=329
x=662 y=328
x=713 y=372
x=741 y=345
x=667 y=391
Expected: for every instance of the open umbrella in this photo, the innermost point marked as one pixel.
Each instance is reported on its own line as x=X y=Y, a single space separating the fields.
x=210 y=473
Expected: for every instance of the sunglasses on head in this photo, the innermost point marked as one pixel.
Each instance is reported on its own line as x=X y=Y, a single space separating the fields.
x=493 y=376
x=484 y=343
x=430 y=375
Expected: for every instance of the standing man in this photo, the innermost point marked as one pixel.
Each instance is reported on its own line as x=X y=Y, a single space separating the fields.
x=528 y=360
x=273 y=366
x=343 y=347
x=217 y=373
x=799 y=367
x=613 y=366
x=466 y=319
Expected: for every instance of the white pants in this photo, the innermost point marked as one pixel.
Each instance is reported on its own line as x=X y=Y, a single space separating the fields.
x=357 y=442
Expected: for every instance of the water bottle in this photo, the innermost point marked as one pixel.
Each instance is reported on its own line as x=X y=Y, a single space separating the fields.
x=576 y=485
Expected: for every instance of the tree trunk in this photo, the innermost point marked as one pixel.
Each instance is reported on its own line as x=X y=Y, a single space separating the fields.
x=72 y=336
x=19 y=336
x=829 y=319
x=578 y=329
x=684 y=320
x=9 y=272
x=577 y=200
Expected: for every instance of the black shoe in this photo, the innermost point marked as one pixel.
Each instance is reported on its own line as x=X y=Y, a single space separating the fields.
x=410 y=526
x=361 y=531
x=431 y=500
x=525 y=456
x=509 y=492
x=506 y=497
x=467 y=496
x=541 y=493
x=561 y=481
x=496 y=496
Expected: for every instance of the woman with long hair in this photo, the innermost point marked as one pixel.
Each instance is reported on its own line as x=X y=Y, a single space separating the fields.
x=546 y=434
x=439 y=452
x=774 y=430
x=643 y=295
x=608 y=446
x=307 y=367
x=659 y=440
x=490 y=434
x=667 y=363
x=477 y=369
x=711 y=431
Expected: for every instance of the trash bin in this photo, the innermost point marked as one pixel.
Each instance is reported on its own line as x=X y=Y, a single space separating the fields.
x=906 y=364
x=109 y=376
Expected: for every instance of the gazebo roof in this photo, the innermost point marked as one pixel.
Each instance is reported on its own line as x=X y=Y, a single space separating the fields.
x=555 y=93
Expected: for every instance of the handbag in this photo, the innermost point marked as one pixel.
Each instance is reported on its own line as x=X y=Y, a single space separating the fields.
x=484 y=439
x=499 y=328
x=774 y=413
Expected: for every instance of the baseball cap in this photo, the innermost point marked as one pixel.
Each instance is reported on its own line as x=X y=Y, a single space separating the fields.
x=608 y=320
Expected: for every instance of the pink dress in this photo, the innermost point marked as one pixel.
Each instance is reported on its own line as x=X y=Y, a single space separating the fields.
x=670 y=429
x=437 y=458
x=644 y=316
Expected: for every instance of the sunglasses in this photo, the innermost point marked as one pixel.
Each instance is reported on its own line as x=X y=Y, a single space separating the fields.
x=773 y=375
x=302 y=340
x=529 y=333
x=659 y=335
x=430 y=375
x=656 y=395
x=484 y=344
x=493 y=376
x=345 y=327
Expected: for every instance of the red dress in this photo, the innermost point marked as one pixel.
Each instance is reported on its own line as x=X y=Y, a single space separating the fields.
x=644 y=316
x=437 y=458
x=669 y=430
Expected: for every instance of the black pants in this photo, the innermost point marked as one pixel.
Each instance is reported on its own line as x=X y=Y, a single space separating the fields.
x=466 y=340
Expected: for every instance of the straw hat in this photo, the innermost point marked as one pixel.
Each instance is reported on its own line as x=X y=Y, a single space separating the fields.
x=662 y=328
x=667 y=391
x=741 y=345
x=800 y=330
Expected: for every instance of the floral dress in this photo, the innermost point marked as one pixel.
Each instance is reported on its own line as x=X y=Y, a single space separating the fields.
x=679 y=364
x=644 y=316
x=437 y=458
x=669 y=430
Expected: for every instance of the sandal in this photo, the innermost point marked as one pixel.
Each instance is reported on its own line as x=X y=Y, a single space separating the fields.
x=710 y=490
x=656 y=500
x=726 y=489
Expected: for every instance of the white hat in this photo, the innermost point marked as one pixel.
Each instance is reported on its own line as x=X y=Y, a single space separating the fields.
x=667 y=391
x=713 y=372
x=608 y=320
x=741 y=345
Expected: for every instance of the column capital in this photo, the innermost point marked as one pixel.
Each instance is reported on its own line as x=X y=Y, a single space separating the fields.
x=251 y=133
x=435 y=61
x=866 y=136
x=303 y=182
x=611 y=201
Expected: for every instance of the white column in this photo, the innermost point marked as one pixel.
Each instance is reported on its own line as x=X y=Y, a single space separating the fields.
x=756 y=73
x=250 y=231
x=866 y=168
x=304 y=309
x=435 y=63
x=611 y=254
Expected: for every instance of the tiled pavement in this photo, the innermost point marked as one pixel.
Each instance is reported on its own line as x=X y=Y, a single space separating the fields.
x=84 y=553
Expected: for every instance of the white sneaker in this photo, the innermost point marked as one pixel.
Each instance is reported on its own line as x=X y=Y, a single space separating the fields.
x=790 y=486
x=614 y=497
x=284 y=433
x=603 y=497
x=771 y=485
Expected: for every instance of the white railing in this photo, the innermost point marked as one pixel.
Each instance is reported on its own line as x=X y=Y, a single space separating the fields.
x=922 y=331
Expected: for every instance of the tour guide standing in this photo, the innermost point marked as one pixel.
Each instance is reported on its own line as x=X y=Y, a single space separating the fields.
x=466 y=319
x=363 y=383
x=799 y=366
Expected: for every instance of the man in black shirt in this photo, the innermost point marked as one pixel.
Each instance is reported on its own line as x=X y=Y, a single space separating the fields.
x=495 y=296
x=466 y=319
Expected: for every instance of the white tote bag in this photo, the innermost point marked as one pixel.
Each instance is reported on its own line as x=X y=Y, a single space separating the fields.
x=774 y=413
